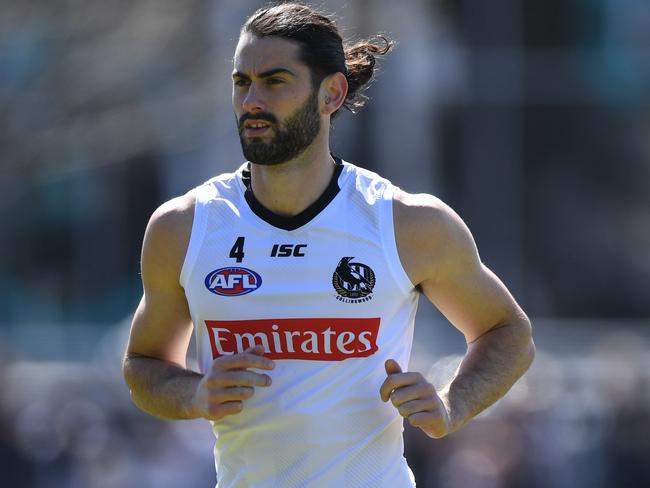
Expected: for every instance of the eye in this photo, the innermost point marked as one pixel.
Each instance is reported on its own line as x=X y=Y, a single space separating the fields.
x=240 y=82
x=274 y=81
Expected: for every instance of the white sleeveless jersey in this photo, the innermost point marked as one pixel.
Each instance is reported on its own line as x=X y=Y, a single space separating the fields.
x=325 y=294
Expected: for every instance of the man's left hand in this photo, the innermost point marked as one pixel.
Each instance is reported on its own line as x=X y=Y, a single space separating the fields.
x=416 y=400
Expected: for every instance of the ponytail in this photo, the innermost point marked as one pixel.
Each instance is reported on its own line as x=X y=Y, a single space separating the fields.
x=360 y=61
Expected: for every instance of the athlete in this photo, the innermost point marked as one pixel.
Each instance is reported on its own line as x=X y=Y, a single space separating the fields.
x=299 y=274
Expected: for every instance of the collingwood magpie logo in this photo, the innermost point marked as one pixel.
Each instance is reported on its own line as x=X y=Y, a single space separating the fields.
x=353 y=281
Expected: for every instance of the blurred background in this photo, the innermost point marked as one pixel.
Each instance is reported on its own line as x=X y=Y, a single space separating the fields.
x=531 y=119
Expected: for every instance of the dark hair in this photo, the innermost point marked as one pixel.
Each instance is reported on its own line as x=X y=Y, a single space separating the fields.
x=321 y=46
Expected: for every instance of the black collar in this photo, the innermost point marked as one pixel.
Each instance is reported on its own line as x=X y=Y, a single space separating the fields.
x=295 y=221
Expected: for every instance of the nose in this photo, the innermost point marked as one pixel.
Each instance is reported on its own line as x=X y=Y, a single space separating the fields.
x=253 y=101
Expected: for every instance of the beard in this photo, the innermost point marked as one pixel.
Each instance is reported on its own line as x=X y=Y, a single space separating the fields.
x=291 y=137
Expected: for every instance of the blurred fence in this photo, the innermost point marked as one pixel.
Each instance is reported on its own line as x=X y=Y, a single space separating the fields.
x=530 y=119
x=579 y=418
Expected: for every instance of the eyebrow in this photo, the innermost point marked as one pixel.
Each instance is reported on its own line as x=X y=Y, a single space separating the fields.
x=265 y=74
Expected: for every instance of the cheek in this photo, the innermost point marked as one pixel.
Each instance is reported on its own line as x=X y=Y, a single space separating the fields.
x=294 y=98
x=236 y=100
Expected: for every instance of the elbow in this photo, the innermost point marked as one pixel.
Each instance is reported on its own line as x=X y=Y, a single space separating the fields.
x=130 y=375
x=527 y=343
x=529 y=355
x=519 y=337
x=133 y=368
x=127 y=370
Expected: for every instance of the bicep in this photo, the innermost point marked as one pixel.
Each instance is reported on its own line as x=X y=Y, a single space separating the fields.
x=440 y=255
x=473 y=299
x=162 y=326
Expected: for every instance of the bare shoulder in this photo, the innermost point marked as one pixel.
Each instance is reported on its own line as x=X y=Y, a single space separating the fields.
x=167 y=237
x=417 y=207
x=174 y=214
x=430 y=235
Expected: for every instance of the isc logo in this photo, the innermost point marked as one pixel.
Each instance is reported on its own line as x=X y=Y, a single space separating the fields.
x=233 y=281
x=287 y=250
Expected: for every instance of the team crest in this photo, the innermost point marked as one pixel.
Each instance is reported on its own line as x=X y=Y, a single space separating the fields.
x=353 y=282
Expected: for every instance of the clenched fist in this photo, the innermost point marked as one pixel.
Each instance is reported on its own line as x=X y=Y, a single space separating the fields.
x=229 y=382
x=416 y=400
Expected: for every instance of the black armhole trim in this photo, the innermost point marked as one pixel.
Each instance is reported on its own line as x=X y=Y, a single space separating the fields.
x=296 y=221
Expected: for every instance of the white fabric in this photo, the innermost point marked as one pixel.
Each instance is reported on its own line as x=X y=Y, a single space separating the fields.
x=321 y=423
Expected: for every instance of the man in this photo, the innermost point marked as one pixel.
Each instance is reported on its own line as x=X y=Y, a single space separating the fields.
x=300 y=274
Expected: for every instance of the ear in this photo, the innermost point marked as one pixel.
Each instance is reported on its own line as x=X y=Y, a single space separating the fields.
x=332 y=93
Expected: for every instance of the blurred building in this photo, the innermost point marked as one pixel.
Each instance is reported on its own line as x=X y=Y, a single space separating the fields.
x=532 y=119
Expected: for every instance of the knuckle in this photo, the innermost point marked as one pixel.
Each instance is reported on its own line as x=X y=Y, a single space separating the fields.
x=220 y=410
x=435 y=404
x=384 y=393
x=230 y=378
x=222 y=395
x=220 y=363
x=265 y=364
x=250 y=379
x=233 y=363
x=254 y=359
x=247 y=379
x=240 y=378
x=215 y=381
x=214 y=410
x=438 y=407
x=421 y=393
x=216 y=398
x=242 y=358
x=395 y=399
x=413 y=391
x=244 y=392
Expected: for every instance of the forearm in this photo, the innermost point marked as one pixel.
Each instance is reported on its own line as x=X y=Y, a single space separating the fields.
x=492 y=364
x=161 y=388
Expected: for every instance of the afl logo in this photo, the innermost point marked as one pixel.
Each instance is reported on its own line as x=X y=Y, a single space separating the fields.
x=233 y=281
x=353 y=282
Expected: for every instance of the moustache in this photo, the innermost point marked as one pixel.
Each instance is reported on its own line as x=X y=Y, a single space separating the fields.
x=259 y=116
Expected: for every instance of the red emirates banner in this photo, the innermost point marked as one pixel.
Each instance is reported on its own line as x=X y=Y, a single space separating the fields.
x=318 y=339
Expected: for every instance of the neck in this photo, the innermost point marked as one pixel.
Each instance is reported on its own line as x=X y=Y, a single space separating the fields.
x=289 y=188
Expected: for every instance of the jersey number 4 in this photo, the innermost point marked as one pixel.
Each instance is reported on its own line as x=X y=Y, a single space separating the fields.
x=237 y=251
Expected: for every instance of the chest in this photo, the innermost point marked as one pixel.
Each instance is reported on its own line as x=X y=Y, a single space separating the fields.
x=243 y=263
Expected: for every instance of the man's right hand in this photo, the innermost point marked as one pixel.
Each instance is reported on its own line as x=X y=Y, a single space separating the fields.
x=229 y=382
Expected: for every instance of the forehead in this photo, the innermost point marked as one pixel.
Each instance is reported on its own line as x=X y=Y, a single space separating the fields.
x=258 y=54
